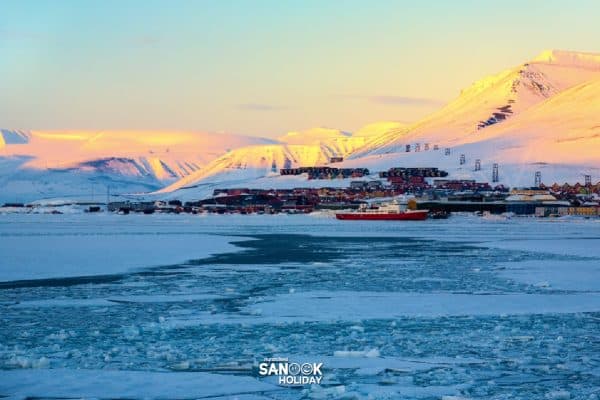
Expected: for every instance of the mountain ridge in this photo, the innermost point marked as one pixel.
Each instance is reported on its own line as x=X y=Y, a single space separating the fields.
x=494 y=99
x=475 y=122
x=544 y=113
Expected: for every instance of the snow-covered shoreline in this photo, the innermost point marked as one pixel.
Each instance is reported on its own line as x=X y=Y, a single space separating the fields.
x=43 y=247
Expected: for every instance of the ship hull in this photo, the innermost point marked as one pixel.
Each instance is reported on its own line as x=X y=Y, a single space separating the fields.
x=404 y=216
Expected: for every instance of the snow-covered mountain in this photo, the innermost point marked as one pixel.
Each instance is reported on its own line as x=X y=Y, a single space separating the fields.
x=493 y=100
x=306 y=148
x=559 y=137
x=543 y=115
x=36 y=164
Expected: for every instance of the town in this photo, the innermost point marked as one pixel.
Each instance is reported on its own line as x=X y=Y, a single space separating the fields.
x=431 y=188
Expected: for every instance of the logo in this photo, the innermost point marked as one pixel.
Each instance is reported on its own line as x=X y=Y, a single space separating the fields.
x=291 y=373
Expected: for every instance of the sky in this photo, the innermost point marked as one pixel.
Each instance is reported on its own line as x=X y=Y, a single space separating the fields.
x=260 y=67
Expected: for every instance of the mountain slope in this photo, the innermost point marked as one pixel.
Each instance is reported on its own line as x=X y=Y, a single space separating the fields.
x=562 y=129
x=314 y=136
x=307 y=148
x=164 y=155
x=528 y=118
x=543 y=115
x=493 y=100
x=67 y=161
x=559 y=137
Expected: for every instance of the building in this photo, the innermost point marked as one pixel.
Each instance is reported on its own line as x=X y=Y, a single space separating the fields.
x=358 y=185
x=554 y=211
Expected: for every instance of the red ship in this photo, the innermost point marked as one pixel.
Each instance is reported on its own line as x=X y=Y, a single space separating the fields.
x=393 y=211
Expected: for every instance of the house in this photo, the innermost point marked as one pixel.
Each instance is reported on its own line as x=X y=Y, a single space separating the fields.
x=358 y=185
x=374 y=185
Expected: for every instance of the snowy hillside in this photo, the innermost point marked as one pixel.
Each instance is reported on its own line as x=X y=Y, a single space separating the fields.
x=307 y=148
x=543 y=115
x=553 y=126
x=37 y=164
x=493 y=100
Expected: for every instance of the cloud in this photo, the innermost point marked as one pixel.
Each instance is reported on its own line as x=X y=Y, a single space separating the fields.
x=259 y=107
x=18 y=35
x=406 y=101
x=411 y=101
x=146 y=40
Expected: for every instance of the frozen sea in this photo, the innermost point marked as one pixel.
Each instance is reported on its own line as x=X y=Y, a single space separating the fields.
x=185 y=307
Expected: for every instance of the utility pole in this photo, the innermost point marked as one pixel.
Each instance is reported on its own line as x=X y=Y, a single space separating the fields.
x=495 y=176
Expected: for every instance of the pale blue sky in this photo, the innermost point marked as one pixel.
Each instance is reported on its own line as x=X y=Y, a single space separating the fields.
x=263 y=67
